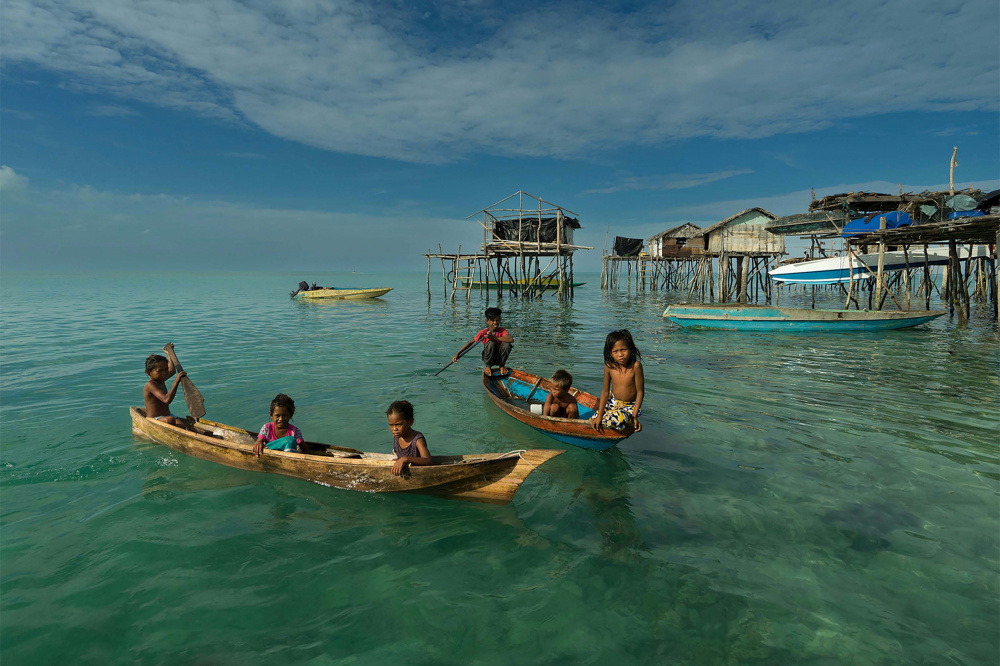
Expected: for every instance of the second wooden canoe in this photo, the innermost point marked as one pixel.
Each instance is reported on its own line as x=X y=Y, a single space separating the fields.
x=479 y=477
x=515 y=392
x=736 y=317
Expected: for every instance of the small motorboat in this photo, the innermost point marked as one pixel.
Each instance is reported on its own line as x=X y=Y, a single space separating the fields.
x=478 y=477
x=736 y=317
x=343 y=294
x=517 y=392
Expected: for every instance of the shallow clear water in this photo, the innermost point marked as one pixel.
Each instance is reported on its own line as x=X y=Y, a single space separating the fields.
x=814 y=499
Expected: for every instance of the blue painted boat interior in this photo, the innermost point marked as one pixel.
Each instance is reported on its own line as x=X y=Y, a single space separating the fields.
x=520 y=390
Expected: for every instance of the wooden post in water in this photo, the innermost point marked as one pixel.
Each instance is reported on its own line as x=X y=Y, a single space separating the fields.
x=879 y=279
x=743 y=268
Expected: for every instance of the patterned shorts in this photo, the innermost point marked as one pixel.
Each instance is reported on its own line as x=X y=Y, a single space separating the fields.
x=618 y=414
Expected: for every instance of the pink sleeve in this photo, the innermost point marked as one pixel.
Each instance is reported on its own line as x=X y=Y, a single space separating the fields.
x=296 y=433
x=263 y=432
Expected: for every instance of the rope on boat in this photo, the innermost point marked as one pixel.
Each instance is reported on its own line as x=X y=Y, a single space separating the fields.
x=520 y=454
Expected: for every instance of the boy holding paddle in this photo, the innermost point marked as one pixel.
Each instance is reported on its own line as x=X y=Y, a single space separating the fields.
x=155 y=394
x=496 y=343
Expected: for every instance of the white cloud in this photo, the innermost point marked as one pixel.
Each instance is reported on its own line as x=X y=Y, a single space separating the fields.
x=363 y=78
x=675 y=181
x=11 y=181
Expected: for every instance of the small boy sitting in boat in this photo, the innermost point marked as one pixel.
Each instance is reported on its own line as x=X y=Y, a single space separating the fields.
x=560 y=402
x=155 y=395
x=496 y=343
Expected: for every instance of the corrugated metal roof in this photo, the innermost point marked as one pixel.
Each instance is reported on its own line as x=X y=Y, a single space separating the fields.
x=696 y=231
x=728 y=220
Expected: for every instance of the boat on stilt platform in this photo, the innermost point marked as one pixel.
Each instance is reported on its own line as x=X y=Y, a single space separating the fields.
x=835 y=270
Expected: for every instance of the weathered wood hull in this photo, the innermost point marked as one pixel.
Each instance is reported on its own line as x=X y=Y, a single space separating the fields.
x=345 y=294
x=772 y=318
x=511 y=392
x=485 y=477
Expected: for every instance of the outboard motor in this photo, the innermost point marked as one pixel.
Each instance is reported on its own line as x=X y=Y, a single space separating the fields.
x=303 y=286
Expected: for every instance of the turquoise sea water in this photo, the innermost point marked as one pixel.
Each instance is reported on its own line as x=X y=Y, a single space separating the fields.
x=814 y=499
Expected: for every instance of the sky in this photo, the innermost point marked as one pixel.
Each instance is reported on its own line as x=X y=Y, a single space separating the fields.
x=337 y=136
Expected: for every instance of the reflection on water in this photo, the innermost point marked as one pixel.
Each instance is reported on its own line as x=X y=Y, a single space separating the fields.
x=791 y=500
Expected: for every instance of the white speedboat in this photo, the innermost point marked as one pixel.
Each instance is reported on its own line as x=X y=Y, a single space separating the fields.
x=835 y=269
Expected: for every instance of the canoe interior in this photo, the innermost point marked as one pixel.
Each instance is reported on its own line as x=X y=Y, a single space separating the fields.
x=511 y=394
x=483 y=477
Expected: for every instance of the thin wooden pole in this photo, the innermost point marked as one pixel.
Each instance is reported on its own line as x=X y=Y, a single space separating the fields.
x=951 y=171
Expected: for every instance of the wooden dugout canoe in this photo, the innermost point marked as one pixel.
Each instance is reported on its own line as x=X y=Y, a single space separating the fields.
x=345 y=294
x=511 y=393
x=768 y=318
x=481 y=477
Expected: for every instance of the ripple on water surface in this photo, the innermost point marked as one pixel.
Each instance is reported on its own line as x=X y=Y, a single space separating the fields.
x=792 y=499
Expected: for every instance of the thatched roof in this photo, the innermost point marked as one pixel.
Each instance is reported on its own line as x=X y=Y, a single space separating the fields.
x=728 y=220
x=686 y=230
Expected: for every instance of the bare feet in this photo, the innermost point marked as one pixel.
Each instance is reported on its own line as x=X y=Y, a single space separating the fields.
x=488 y=371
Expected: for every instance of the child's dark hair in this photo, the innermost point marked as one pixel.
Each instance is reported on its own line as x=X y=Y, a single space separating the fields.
x=154 y=360
x=562 y=379
x=401 y=407
x=493 y=314
x=625 y=336
x=282 y=400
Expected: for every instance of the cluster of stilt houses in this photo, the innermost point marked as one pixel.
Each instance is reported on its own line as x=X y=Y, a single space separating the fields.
x=881 y=251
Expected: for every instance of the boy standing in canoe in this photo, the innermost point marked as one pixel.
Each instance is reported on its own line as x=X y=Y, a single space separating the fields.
x=496 y=341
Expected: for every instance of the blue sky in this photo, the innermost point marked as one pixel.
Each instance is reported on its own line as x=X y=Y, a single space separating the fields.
x=356 y=135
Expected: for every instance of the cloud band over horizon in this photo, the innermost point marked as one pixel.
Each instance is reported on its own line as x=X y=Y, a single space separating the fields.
x=436 y=83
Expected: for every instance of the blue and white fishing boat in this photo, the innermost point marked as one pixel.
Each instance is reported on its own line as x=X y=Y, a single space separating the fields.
x=835 y=269
x=735 y=317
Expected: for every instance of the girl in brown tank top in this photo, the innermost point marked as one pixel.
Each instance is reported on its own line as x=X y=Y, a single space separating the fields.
x=409 y=445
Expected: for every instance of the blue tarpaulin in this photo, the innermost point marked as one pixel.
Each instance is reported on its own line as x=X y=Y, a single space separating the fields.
x=965 y=213
x=864 y=225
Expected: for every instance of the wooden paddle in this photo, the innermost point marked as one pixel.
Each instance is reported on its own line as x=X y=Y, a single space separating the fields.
x=192 y=396
x=467 y=349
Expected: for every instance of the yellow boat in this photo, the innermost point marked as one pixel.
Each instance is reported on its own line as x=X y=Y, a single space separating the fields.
x=344 y=294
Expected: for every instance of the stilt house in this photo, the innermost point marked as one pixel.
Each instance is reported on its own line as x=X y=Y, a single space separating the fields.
x=744 y=234
x=686 y=240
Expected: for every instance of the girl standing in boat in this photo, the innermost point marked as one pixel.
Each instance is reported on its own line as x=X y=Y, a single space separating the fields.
x=409 y=445
x=279 y=434
x=624 y=384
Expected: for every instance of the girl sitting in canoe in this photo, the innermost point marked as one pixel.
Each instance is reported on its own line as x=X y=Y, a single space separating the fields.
x=279 y=434
x=624 y=384
x=409 y=445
